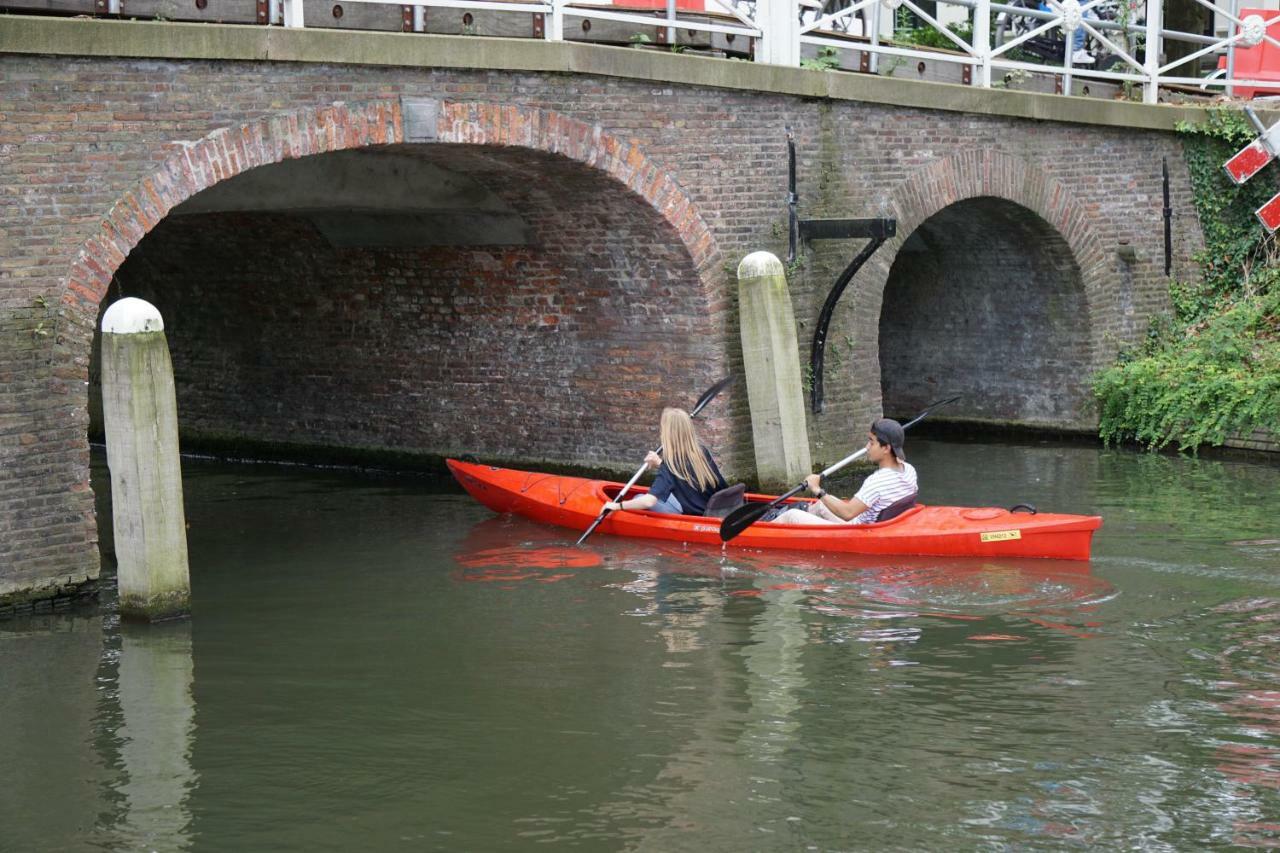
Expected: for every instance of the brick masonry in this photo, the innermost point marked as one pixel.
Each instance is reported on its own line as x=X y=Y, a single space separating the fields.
x=985 y=301
x=641 y=194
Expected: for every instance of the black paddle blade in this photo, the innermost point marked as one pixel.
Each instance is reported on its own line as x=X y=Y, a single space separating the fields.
x=711 y=394
x=742 y=518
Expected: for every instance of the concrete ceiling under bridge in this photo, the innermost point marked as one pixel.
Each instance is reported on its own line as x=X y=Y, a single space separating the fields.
x=371 y=199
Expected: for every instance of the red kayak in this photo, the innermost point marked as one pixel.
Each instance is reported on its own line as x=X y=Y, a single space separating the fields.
x=939 y=531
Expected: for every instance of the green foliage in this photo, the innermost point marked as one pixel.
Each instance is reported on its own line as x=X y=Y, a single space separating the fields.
x=1199 y=385
x=826 y=60
x=1235 y=243
x=906 y=32
x=1213 y=368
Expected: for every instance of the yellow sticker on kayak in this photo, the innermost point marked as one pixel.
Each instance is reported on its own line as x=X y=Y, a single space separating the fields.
x=1001 y=535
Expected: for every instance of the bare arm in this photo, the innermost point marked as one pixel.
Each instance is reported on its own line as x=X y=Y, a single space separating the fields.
x=845 y=510
x=645 y=501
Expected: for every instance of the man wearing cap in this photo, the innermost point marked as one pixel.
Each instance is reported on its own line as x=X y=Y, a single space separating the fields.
x=893 y=480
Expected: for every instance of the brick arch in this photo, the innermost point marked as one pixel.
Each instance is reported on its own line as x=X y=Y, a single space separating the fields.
x=192 y=167
x=998 y=175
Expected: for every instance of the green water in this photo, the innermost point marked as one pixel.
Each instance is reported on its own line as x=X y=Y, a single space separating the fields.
x=377 y=664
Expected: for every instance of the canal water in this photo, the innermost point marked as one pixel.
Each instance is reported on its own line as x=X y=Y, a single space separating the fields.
x=378 y=663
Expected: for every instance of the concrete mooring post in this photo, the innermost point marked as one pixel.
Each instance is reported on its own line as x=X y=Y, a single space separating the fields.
x=771 y=360
x=140 y=415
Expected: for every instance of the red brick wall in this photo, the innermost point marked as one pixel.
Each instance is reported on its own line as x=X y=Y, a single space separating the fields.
x=94 y=152
x=987 y=301
x=565 y=349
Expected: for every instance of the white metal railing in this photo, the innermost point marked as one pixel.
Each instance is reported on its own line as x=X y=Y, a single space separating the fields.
x=1127 y=40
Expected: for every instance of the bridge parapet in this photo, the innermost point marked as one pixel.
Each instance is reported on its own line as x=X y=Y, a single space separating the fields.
x=1116 y=45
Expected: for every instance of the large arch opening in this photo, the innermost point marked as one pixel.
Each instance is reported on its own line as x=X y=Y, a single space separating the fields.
x=428 y=299
x=986 y=299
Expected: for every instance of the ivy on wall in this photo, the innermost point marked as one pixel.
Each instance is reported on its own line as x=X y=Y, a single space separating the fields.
x=1212 y=369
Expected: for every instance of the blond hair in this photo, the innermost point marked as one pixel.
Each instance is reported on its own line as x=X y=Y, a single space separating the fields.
x=681 y=450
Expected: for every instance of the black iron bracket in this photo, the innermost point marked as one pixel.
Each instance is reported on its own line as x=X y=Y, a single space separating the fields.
x=1168 y=219
x=875 y=231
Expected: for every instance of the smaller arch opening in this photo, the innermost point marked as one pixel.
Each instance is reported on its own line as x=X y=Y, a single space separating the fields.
x=986 y=299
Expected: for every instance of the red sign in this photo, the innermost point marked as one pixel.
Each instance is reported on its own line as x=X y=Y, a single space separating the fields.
x=1249 y=161
x=1269 y=213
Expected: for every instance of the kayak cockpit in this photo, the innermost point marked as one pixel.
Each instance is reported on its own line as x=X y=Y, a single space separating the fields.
x=610 y=491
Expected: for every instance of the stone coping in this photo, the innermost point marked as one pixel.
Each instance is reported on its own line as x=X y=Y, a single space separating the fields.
x=202 y=41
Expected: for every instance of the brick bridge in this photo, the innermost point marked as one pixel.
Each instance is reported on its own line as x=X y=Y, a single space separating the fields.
x=428 y=245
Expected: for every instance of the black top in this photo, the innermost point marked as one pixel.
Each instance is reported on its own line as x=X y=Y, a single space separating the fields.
x=691 y=499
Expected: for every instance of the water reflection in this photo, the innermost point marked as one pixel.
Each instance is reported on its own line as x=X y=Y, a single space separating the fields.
x=96 y=739
x=1246 y=690
x=845 y=584
x=158 y=722
x=780 y=616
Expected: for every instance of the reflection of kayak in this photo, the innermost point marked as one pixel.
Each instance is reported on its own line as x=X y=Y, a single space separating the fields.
x=946 y=531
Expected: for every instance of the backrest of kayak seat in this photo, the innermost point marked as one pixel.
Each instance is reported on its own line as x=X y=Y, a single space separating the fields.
x=897 y=508
x=726 y=501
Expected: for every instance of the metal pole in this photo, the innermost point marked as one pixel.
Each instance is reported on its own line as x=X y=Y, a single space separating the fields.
x=1231 y=50
x=555 y=30
x=793 y=199
x=1069 y=38
x=671 y=16
x=982 y=41
x=293 y=13
x=1151 y=62
x=779 y=32
x=874 y=64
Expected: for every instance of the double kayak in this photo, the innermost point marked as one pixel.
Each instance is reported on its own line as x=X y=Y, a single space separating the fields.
x=938 y=531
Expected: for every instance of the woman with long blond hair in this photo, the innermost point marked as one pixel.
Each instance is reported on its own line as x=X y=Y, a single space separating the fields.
x=687 y=473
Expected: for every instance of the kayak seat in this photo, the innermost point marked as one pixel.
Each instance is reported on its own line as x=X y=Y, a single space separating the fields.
x=897 y=508
x=726 y=501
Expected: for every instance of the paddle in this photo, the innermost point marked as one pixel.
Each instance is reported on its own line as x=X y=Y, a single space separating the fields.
x=698 y=407
x=742 y=518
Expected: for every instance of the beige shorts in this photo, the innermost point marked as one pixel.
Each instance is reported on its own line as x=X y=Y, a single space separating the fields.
x=816 y=514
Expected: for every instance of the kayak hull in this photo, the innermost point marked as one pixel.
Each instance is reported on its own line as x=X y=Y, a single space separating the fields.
x=941 y=531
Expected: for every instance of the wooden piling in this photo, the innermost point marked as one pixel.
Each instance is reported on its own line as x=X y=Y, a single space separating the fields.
x=140 y=416
x=771 y=361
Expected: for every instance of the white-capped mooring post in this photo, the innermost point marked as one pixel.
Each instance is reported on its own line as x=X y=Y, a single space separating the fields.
x=140 y=415
x=771 y=362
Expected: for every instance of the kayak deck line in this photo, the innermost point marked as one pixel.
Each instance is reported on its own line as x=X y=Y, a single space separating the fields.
x=941 y=531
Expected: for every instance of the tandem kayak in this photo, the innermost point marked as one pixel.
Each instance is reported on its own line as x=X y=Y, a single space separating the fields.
x=939 y=531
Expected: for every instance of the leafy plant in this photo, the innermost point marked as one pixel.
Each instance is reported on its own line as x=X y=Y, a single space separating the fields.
x=908 y=28
x=826 y=60
x=640 y=38
x=1212 y=369
x=1011 y=80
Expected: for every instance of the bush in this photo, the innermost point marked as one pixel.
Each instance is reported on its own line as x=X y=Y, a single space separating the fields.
x=1201 y=384
x=1212 y=369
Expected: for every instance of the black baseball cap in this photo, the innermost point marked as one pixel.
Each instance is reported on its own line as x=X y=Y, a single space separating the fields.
x=890 y=432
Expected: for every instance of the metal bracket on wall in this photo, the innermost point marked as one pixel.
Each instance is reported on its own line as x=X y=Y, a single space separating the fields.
x=875 y=231
x=1168 y=219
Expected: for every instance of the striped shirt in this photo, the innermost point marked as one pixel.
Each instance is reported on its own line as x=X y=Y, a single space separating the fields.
x=884 y=487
